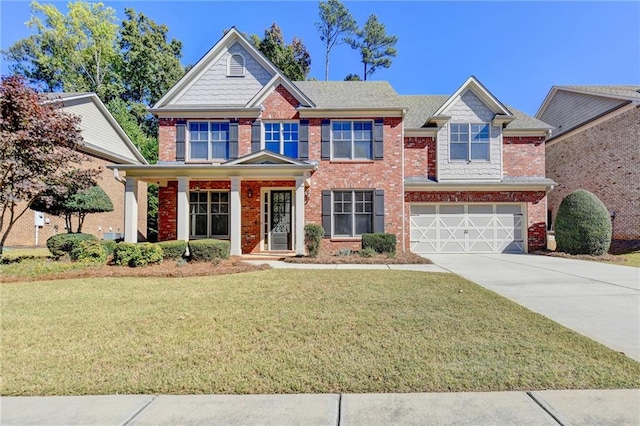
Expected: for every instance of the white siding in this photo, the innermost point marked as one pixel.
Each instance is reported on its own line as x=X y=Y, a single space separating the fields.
x=470 y=109
x=215 y=87
x=96 y=129
x=569 y=109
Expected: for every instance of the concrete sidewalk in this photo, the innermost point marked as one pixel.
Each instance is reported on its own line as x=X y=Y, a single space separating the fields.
x=571 y=407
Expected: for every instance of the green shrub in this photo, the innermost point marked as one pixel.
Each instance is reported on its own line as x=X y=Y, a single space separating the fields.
x=583 y=224
x=89 y=251
x=173 y=250
x=381 y=243
x=344 y=252
x=133 y=255
x=62 y=244
x=109 y=246
x=209 y=249
x=367 y=252
x=313 y=234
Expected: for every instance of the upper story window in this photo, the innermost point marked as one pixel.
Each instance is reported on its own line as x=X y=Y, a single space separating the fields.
x=352 y=139
x=208 y=140
x=281 y=138
x=236 y=66
x=469 y=141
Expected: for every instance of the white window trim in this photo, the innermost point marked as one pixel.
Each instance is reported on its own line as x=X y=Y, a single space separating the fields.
x=188 y=141
x=263 y=138
x=209 y=192
x=353 y=148
x=244 y=65
x=469 y=160
x=353 y=212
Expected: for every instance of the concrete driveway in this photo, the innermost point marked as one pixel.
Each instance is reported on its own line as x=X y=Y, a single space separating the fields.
x=598 y=300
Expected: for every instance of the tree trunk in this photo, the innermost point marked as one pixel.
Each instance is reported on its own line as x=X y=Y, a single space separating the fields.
x=67 y=223
x=80 y=221
x=326 y=66
x=365 y=71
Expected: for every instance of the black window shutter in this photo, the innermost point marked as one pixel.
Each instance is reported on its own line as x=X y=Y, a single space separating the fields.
x=255 y=136
x=378 y=140
x=378 y=209
x=181 y=129
x=303 y=141
x=326 y=213
x=233 y=140
x=326 y=140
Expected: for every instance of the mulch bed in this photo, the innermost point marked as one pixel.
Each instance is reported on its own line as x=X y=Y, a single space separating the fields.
x=166 y=269
x=617 y=248
x=406 y=258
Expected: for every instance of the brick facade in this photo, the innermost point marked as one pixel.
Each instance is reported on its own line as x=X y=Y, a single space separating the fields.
x=602 y=159
x=523 y=156
x=23 y=232
x=420 y=156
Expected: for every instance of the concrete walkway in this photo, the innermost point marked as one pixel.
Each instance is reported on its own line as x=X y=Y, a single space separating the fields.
x=598 y=300
x=578 y=407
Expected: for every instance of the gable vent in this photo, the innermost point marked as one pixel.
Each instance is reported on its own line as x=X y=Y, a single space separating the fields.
x=236 y=66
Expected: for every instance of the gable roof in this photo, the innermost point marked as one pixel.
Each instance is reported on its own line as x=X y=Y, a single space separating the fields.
x=101 y=133
x=481 y=92
x=629 y=93
x=265 y=157
x=232 y=37
x=351 y=94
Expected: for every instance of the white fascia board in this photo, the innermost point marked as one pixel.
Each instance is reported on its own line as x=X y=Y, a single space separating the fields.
x=215 y=172
x=525 y=132
x=427 y=131
x=268 y=88
x=467 y=187
x=204 y=112
x=349 y=113
x=479 y=90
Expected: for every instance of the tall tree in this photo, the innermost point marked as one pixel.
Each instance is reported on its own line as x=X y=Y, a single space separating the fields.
x=335 y=27
x=76 y=52
x=292 y=59
x=352 y=77
x=376 y=47
x=38 y=151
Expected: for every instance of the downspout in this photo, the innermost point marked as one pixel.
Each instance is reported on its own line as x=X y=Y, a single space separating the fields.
x=404 y=207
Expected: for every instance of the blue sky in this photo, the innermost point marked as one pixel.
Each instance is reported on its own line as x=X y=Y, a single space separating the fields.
x=518 y=50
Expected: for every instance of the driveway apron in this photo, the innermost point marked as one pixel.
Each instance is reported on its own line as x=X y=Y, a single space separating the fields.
x=598 y=300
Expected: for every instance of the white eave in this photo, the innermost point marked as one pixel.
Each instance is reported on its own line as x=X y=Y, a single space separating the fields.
x=204 y=111
x=481 y=92
x=540 y=184
x=350 y=112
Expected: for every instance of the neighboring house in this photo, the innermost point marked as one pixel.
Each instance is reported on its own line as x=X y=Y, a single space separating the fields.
x=595 y=145
x=104 y=144
x=249 y=156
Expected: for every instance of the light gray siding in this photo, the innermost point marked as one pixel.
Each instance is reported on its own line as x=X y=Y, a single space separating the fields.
x=96 y=130
x=470 y=109
x=569 y=109
x=214 y=87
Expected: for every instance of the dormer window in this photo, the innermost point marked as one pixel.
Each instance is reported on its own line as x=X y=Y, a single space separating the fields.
x=469 y=142
x=236 y=66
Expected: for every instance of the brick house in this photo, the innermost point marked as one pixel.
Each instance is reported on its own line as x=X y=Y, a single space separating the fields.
x=595 y=145
x=249 y=156
x=104 y=144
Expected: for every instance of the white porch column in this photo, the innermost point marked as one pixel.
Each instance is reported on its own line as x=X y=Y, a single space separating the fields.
x=131 y=210
x=235 y=221
x=300 y=247
x=183 y=208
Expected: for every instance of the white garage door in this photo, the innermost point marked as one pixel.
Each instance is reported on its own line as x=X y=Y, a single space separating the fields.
x=466 y=228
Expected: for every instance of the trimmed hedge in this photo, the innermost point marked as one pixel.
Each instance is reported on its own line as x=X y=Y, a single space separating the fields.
x=313 y=234
x=62 y=244
x=381 y=243
x=173 y=250
x=109 y=246
x=132 y=254
x=209 y=249
x=583 y=224
x=89 y=251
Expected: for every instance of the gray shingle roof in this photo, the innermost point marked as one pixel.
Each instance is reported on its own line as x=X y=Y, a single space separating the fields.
x=421 y=107
x=350 y=94
x=628 y=91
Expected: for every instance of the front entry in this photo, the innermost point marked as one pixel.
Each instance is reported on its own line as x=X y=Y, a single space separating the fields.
x=280 y=223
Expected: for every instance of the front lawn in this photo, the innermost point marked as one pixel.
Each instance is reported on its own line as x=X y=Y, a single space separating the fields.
x=288 y=331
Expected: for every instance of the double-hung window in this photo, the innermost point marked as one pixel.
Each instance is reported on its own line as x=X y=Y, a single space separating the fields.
x=208 y=140
x=469 y=141
x=209 y=214
x=352 y=213
x=352 y=139
x=281 y=138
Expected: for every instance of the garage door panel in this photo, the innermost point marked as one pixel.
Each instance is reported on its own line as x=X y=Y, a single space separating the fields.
x=466 y=228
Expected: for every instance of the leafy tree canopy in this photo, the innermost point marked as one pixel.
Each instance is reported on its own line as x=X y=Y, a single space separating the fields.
x=376 y=47
x=352 y=77
x=292 y=59
x=335 y=27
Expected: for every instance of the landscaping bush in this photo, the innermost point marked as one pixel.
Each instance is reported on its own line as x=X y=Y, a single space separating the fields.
x=109 y=246
x=367 y=252
x=173 y=250
x=89 y=251
x=209 y=249
x=344 y=252
x=313 y=234
x=583 y=224
x=381 y=243
x=133 y=255
x=62 y=244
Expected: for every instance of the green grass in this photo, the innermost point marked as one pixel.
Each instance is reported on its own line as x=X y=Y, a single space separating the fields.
x=289 y=331
x=37 y=266
x=633 y=259
x=12 y=254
